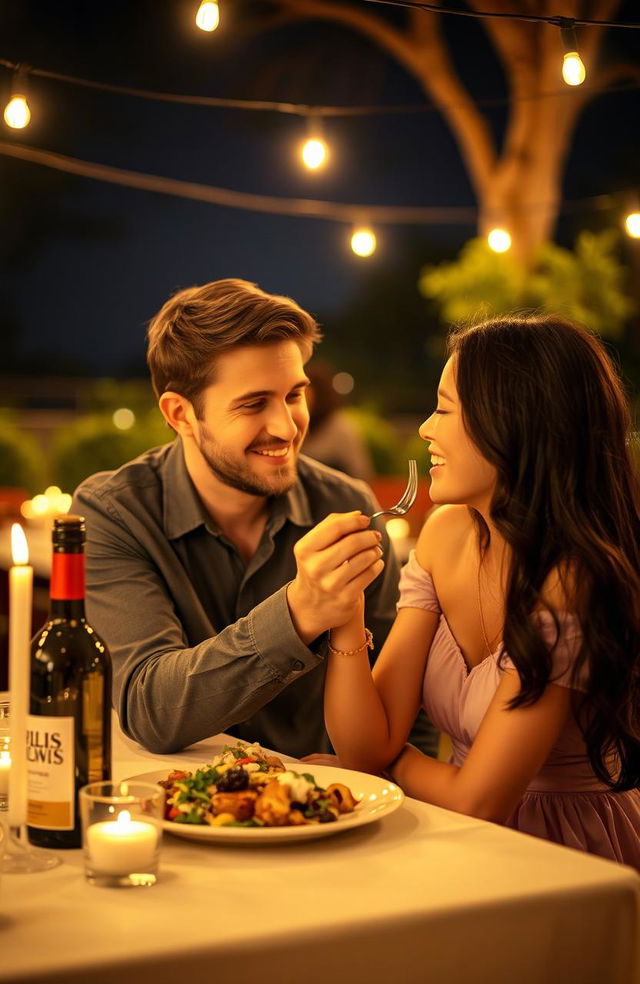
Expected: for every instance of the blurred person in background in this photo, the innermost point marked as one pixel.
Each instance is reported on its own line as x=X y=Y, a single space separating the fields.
x=333 y=437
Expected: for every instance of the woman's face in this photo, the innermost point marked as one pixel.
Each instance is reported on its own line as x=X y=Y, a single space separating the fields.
x=459 y=474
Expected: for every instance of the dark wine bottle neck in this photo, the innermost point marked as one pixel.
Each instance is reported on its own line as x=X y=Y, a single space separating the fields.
x=68 y=609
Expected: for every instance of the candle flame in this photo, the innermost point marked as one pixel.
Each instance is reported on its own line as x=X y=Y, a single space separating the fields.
x=19 y=545
x=123 y=817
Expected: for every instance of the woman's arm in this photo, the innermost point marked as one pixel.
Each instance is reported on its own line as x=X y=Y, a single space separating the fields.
x=509 y=750
x=369 y=717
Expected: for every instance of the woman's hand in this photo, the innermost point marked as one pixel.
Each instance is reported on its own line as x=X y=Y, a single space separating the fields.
x=319 y=759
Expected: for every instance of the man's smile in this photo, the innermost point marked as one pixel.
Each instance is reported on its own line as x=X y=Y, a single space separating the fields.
x=280 y=452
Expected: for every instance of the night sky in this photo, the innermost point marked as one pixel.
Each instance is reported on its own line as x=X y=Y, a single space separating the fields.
x=86 y=264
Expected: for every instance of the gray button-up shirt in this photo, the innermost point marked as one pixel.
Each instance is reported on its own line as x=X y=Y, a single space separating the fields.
x=202 y=642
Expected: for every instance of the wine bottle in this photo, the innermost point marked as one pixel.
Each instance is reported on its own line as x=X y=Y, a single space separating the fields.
x=69 y=720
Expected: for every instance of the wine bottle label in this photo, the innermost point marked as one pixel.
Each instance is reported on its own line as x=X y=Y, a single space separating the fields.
x=67 y=577
x=50 y=773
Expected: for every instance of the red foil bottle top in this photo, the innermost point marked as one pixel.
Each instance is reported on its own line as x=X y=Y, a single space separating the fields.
x=67 y=577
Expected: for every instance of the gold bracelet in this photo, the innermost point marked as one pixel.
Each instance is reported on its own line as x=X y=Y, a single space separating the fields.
x=367 y=644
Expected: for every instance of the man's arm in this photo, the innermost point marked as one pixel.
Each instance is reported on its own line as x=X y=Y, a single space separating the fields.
x=169 y=693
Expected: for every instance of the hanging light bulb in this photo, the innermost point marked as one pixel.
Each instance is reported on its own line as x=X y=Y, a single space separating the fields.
x=363 y=241
x=632 y=225
x=17 y=113
x=499 y=240
x=314 y=151
x=573 y=70
x=208 y=16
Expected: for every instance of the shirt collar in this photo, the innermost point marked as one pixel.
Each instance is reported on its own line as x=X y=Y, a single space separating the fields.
x=182 y=507
x=183 y=510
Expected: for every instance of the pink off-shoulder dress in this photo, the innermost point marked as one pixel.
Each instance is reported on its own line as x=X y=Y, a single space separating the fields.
x=565 y=802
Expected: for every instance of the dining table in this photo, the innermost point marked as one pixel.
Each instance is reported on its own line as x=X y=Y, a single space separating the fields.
x=420 y=894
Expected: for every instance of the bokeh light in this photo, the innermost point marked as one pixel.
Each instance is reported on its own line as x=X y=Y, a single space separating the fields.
x=343 y=383
x=124 y=419
x=573 y=70
x=499 y=240
x=363 y=242
x=208 y=16
x=17 y=113
x=314 y=153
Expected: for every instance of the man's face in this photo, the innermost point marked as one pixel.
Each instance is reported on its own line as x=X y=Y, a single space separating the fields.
x=255 y=418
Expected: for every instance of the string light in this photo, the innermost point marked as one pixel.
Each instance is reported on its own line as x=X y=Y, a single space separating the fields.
x=573 y=70
x=499 y=240
x=208 y=15
x=314 y=151
x=17 y=113
x=632 y=225
x=342 y=212
x=503 y=15
x=298 y=109
x=363 y=241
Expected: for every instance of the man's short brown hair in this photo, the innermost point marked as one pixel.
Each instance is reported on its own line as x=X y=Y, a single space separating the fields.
x=198 y=324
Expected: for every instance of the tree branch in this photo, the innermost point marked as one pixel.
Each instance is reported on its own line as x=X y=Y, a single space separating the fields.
x=378 y=30
x=589 y=38
x=422 y=52
x=259 y=25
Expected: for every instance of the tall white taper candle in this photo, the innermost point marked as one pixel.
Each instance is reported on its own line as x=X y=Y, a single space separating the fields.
x=20 y=598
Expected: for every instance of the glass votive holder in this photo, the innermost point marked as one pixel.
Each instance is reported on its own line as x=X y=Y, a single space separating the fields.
x=5 y=753
x=121 y=832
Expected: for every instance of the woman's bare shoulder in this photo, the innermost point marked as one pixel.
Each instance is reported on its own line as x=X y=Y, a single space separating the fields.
x=559 y=591
x=445 y=529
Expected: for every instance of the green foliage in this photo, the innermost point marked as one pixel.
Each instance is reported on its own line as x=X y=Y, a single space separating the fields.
x=585 y=285
x=20 y=458
x=416 y=447
x=93 y=444
x=109 y=394
x=380 y=438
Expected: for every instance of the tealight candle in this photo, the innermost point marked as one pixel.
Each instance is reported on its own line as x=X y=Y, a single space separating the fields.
x=121 y=832
x=121 y=846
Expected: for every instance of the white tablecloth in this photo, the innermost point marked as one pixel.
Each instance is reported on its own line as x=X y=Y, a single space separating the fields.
x=424 y=895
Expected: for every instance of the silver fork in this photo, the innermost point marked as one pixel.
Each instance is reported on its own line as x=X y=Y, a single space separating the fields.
x=408 y=497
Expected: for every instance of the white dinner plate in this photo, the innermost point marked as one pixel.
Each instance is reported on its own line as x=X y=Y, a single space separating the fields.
x=378 y=798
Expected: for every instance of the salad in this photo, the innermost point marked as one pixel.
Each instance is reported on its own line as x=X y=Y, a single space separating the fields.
x=245 y=786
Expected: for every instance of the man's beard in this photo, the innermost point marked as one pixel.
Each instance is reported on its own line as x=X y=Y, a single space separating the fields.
x=238 y=475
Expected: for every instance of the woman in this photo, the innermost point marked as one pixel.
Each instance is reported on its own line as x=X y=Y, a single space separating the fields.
x=519 y=617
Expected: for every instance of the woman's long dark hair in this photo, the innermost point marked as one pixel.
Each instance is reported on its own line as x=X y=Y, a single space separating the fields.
x=543 y=403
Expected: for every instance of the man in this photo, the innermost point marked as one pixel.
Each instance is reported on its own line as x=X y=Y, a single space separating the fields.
x=213 y=621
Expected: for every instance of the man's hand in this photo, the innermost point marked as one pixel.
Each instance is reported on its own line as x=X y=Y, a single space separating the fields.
x=336 y=561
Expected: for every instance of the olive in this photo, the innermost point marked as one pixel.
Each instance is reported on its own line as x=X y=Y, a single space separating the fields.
x=233 y=780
